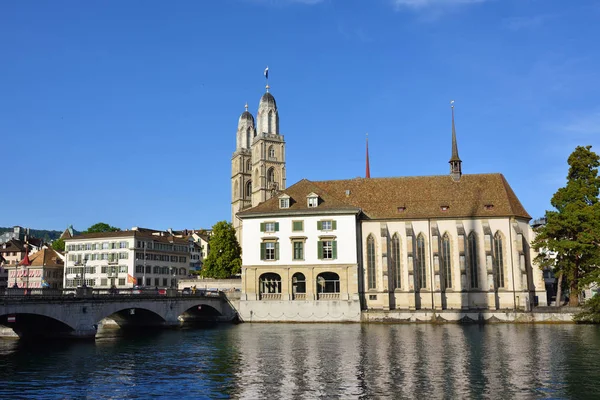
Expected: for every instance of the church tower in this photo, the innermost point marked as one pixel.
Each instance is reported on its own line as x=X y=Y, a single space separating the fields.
x=455 y=162
x=241 y=166
x=258 y=163
x=268 y=152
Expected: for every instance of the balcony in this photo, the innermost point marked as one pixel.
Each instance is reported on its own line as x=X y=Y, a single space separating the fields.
x=328 y=296
x=299 y=296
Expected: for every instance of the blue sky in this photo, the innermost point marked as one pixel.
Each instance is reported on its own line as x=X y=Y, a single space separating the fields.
x=126 y=111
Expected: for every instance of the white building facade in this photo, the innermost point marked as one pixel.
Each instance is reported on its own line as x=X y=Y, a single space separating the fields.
x=125 y=259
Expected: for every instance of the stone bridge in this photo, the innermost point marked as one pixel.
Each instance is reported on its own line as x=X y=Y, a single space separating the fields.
x=78 y=315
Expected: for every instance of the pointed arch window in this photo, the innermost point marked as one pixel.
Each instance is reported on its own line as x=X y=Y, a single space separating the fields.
x=421 y=265
x=446 y=261
x=371 y=279
x=248 y=189
x=498 y=260
x=271 y=153
x=249 y=165
x=248 y=138
x=396 y=261
x=472 y=260
x=271 y=175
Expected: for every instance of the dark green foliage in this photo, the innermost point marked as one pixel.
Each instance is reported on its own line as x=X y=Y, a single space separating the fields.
x=573 y=230
x=101 y=227
x=224 y=259
x=591 y=311
x=59 y=245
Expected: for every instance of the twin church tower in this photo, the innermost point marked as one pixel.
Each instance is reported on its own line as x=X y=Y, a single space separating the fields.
x=258 y=163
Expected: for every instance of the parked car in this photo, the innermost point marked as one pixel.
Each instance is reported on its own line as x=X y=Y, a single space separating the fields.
x=186 y=290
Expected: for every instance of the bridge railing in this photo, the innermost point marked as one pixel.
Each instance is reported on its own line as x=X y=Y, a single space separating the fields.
x=36 y=294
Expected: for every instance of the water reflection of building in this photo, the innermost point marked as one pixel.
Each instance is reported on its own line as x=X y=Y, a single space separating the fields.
x=324 y=250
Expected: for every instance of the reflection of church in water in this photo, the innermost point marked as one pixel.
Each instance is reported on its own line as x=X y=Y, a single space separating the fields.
x=258 y=163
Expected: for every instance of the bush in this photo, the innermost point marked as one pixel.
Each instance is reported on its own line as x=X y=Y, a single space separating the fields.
x=591 y=311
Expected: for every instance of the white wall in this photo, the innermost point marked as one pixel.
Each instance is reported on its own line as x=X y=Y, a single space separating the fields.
x=345 y=235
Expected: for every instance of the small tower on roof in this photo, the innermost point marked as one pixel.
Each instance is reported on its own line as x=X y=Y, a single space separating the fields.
x=455 y=162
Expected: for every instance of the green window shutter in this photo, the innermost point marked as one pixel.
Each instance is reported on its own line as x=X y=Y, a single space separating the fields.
x=320 y=225
x=276 y=226
x=334 y=226
x=277 y=251
x=262 y=226
x=334 y=248
x=320 y=249
x=262 y=251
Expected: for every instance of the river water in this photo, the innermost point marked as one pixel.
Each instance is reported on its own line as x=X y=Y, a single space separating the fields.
x=307 y=361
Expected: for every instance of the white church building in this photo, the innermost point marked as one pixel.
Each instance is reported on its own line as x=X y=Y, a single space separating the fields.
x=331 y=250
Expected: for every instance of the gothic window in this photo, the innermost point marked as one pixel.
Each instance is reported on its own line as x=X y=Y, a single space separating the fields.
x=271 y=153
x=248 y=189
x=249 y=165
x=498 y=260
x=472 y=260
x=446 y=261
x=396 y=260
x=271 y=175
x=248 y=138
x=421 y=264
x=372 y=281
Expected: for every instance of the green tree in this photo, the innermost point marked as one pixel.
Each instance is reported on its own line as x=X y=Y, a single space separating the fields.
x=101 y=227
x=224 y=258
x=573 y=230
x=58 y=245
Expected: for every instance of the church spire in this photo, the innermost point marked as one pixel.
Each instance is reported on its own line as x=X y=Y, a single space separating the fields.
x=368 y=169
x=455 y=162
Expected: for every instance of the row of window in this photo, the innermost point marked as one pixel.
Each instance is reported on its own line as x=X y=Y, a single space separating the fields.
x=98 y=246
x=326 y=250
x=445 y=261
x=139 y=269
x=161 y=246
x=326 y=282
x=120 y=282
x=298 y=226
x=160 y=257
x=99 y=256
x=104 y=269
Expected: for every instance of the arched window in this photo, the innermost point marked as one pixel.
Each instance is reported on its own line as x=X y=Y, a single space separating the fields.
x=371 y=279
x=271 y=175
x=472 y=260
x=270 y=122
x=271 y=152
x=298 y=283
x=498 y=260
x=446 y=261
x=327 y=284
x=248 y=189
x=396 y=260
x=421 y=264
x=269 y=284
x=249 y=165
x=248 y=138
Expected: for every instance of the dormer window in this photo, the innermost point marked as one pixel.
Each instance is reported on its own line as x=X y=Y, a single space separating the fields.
x=401 y=209
x=444 y=208
x=284 y=201
x=489 y=207
x=313 y=200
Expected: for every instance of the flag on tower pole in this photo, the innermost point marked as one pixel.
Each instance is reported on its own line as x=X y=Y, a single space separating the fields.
x=267 y=72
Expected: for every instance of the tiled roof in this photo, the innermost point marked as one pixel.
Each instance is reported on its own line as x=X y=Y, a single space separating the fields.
x=418 y=197
x=126 y=234
x=46 y=257
x=12 y=245
x=299 y=203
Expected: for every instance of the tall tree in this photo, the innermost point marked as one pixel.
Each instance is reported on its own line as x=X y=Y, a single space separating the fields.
x=573 y=230
x=224 y=258
x=101 y=227
x=58 y=244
